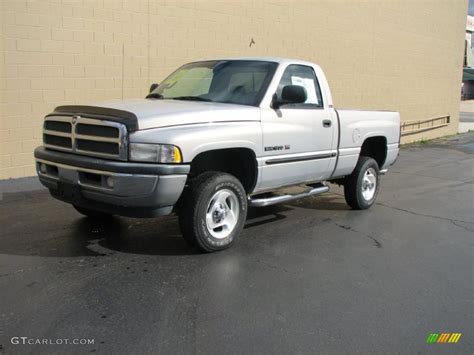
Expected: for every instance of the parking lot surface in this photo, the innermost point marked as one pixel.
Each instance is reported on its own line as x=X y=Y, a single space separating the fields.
x=310 y=276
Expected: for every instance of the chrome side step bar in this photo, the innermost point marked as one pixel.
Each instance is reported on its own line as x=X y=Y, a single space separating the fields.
x=262 y=202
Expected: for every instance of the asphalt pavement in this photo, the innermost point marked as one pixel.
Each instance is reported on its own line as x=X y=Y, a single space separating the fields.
x=312 y=276
x=466 y=117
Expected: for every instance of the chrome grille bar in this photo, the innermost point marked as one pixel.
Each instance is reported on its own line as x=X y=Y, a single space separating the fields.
x=96 y=138
x=111 y=140
x=56 y=133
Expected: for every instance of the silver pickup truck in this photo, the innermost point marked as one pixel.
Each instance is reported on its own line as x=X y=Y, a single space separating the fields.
x=212 y=139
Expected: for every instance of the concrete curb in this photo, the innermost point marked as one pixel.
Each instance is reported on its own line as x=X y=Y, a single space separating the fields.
x=30 y=183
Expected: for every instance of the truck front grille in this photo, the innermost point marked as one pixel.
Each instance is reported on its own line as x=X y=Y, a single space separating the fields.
x=86 y=136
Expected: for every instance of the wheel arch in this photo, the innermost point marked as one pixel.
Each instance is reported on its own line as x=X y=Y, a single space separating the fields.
x=375 y=147
x=240 y=162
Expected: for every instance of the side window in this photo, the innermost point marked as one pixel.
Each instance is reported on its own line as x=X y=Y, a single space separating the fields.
x=302 y=75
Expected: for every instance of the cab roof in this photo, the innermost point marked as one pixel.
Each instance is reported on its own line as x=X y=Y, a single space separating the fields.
x=278 y=60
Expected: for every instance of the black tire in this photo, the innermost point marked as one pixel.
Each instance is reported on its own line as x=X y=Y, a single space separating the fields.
x=356 y=188
x=200 y=199
x=92 y=213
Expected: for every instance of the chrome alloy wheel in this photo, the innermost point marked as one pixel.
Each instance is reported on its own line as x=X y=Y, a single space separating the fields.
x=369 y=184
x=222 y=213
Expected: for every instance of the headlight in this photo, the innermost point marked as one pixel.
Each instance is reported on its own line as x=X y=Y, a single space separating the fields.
x=157 y=153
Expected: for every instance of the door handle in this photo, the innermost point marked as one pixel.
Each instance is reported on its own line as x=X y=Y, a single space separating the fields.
x=327 y=123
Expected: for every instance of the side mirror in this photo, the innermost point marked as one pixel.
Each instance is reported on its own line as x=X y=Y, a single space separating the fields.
x=153 y=87
x=291 y=94
x=294 y=94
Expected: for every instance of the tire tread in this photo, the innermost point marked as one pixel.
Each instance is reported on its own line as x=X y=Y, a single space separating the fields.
x=189 y=213
x=351 y=184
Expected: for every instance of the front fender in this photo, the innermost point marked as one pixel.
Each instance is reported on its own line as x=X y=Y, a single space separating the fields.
x=199 y=138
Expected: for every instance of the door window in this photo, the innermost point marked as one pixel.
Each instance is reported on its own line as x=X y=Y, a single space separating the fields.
x=304 y=76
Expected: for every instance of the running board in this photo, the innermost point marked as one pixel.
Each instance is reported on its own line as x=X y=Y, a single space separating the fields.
x=262 y=202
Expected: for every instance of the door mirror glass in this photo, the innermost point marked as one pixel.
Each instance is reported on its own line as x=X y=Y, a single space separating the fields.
x=294 y=94
x=290 y=94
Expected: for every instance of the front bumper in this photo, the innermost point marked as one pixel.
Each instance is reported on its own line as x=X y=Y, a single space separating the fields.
x=116 y=187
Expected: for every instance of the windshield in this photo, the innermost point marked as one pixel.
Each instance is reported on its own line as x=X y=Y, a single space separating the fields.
x=230 y=81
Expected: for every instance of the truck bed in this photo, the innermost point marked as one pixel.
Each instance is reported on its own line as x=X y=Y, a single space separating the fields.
x=355 y=126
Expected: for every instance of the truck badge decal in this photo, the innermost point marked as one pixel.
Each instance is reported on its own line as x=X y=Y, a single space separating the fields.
x=277 y=147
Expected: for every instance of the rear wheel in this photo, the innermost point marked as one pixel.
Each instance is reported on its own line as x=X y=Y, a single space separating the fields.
x=213 y=212
x=362 y=186
x=92 y=213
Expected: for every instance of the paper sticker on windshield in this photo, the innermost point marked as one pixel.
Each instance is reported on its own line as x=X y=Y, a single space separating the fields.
x=308 y=84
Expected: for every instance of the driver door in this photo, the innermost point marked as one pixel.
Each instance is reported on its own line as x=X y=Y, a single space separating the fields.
x=297 y=138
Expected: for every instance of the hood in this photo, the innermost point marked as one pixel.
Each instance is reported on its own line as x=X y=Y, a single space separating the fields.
x=155 y=113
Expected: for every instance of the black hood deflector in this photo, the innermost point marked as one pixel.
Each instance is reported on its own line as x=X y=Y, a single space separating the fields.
x=127 y=118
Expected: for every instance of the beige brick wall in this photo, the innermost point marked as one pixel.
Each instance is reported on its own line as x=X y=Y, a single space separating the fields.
x=378 y=54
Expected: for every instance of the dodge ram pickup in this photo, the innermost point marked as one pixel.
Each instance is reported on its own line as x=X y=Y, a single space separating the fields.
x=212 y=139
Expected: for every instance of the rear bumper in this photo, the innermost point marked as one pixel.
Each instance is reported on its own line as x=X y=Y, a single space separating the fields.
x=128 y=189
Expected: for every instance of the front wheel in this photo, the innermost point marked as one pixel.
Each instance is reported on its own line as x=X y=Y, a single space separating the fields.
x=213 y=211
x=362 y=186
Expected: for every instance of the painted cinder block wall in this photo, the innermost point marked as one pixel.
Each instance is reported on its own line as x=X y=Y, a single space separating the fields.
x=398 y=55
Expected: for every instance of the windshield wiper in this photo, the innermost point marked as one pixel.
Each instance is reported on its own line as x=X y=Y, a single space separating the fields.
x=154 y=95
x=191 y=98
